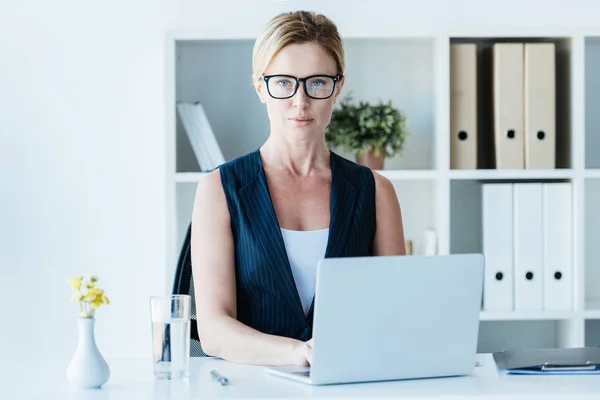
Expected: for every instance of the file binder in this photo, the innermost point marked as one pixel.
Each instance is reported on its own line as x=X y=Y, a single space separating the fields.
x=576 y=360
x=507 y=67
x=200 y=134
x=497 y=220
x=528 y=268
x=558 y=246
x=463 y=106
x=540 y=105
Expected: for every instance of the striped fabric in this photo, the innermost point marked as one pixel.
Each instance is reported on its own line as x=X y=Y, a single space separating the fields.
x=195 y=345
x=183 y=283
x=267 y=298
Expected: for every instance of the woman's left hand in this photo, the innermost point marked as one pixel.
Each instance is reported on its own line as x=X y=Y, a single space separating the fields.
x=308 y=350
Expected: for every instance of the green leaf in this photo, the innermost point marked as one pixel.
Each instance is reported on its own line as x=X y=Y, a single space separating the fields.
x=360 y=127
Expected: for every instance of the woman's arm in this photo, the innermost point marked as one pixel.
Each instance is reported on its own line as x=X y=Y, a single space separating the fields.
x=389 y=234
x=220 y=333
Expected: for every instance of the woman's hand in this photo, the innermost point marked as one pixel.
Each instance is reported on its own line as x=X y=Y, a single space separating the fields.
x=303 y=353
x=308 y=351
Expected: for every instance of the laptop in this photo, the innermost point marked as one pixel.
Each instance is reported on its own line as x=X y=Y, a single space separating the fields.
x=393 y=317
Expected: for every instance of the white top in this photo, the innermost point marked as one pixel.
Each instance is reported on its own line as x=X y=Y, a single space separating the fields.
x=304 y=250
x=134 y=379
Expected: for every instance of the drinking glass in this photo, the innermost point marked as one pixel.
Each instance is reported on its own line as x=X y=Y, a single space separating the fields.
x=171 y=335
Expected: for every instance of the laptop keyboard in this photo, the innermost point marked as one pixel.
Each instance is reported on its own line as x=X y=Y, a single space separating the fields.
x=302 y=373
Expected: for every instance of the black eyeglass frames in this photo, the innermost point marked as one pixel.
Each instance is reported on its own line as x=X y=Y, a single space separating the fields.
x=318 y=87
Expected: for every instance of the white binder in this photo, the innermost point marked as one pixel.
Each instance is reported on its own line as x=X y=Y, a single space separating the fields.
x=558 y=246
x=507 y=93
x=540 y=105
x=463 y=106
x=200 y=134
x=528 y=267
x=497 y=220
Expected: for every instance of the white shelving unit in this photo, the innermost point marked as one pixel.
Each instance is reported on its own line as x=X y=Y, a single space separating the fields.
x=527 y=316
x=416 y=71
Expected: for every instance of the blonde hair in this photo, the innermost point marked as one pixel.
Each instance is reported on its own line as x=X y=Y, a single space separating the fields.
x=297 y=27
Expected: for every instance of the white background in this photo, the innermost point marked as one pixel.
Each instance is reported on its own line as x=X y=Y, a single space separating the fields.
x=82 y=143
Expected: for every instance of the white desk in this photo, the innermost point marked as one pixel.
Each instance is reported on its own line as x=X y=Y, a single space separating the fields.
x=133 y=379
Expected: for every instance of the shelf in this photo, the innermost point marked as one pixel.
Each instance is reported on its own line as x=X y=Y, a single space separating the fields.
x=189 y=177
x=486 y=114
x=507 y=334
x=432 y=195
x=401 y=70
x=408 y=175
x=592 y=314
x=526 y=315
x=592 y=309
x=592 y=173
x=215 y=73
x=500 y=174
x=426 y=174
x=418 y=199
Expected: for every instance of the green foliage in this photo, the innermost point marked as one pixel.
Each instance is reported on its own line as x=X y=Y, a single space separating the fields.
x=358 y=128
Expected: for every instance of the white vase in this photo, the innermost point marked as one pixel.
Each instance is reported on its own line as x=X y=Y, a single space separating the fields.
x=88 y=369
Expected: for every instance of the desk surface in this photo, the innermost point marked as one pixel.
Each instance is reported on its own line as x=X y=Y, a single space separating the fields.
x=133 y=379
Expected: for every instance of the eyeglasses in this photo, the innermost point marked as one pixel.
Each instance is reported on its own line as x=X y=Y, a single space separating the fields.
x=315 y=86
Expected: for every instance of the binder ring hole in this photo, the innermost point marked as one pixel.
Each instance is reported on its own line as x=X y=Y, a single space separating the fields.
x=510 y=133
x=499 y=276
x=462 y=135
x=557 y=275
x=541 y=135
x=529 y=276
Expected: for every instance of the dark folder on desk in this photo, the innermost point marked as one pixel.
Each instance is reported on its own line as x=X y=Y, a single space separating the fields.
x=579 y=360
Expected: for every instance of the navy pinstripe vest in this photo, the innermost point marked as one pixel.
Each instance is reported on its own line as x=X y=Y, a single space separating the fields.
x=267 y=298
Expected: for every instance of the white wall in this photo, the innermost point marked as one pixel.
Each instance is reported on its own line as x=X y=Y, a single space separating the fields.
x=378 y=17
x=82 y=161
x=82 y=170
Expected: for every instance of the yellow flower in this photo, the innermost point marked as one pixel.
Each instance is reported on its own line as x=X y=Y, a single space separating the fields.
x=96 y=303
x=75 y=282
x=76 y=297
x=89 y=297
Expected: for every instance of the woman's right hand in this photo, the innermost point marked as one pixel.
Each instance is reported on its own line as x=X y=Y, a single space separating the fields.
x=303 y=353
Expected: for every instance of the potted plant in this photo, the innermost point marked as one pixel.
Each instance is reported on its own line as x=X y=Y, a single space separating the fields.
x=372 y=132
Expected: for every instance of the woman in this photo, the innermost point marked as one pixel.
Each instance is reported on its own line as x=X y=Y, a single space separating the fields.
x=262 y=221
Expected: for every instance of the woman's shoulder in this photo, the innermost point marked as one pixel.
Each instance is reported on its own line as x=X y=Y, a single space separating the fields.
x=241 y=169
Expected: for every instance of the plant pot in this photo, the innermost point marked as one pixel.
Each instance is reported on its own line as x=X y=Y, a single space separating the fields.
x=370 y=160
x=88 y=369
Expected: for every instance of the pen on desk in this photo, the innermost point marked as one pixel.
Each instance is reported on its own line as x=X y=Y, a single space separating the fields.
x=218 y=377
